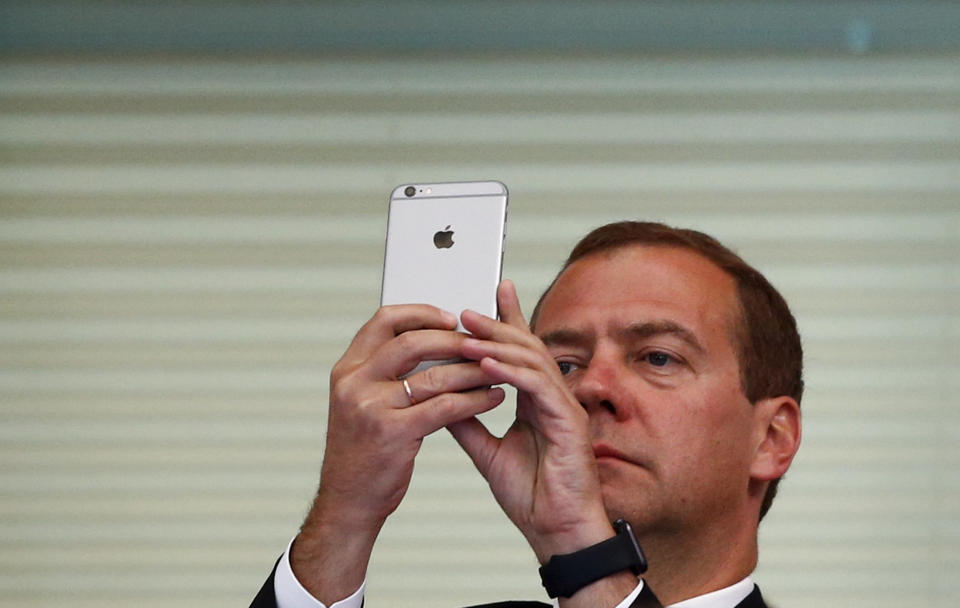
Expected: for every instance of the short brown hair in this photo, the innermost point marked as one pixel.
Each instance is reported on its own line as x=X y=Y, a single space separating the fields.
x=766 y=339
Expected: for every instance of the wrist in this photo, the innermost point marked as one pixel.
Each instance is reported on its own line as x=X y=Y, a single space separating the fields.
x=334 y=511
x=565 y=575
x=330 y=559
x=610 y=591
x=572 y=540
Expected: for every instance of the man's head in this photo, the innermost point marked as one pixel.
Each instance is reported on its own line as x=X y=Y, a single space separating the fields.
x=714 y=291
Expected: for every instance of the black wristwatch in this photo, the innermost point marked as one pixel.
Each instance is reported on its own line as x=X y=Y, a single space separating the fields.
x=564 y=575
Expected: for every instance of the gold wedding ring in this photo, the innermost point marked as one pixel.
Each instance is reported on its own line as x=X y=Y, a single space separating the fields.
x=406 y=389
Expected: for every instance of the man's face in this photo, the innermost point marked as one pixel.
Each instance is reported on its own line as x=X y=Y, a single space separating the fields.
x=644 y=337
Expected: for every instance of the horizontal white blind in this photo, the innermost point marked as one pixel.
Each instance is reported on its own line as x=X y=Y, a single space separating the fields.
x=186 y=247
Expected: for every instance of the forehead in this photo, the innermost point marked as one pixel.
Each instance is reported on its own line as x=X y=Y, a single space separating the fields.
x=636 y=283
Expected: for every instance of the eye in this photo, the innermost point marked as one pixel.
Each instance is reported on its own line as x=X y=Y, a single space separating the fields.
x=566 y=367
x=659 y=358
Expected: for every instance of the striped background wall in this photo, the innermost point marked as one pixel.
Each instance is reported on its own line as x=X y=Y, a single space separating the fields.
x=186 y=247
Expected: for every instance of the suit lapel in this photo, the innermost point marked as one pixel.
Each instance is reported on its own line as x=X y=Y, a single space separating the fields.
x=646 y=599
x=754 y=600
x=513 y=604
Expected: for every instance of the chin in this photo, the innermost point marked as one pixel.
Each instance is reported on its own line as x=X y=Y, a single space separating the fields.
x=620 y=507
x=635 y=507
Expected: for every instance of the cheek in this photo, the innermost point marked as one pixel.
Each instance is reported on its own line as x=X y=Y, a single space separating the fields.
x=730 y=448
x=715 y=434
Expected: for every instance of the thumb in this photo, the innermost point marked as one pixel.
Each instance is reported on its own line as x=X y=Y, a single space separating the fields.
x=479 y=444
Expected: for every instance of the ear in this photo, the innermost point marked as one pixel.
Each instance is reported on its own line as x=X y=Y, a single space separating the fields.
x=777 y=433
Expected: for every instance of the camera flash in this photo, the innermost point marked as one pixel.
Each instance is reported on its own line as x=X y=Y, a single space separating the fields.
x=429 y=190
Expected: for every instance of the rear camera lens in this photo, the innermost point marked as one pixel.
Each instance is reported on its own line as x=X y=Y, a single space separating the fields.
x=409 y=190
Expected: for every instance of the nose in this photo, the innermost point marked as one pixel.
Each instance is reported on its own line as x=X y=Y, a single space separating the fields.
x=599 y=388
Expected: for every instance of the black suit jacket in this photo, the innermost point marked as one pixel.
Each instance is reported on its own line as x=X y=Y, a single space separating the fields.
x=646 y=599
x=267 y=599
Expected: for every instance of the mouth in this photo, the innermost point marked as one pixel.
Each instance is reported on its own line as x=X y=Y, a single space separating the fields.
x=603 y=452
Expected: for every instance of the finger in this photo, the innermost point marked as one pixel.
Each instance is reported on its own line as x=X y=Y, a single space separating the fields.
x=509 y=308
x=391 y=321
x=479 y=443
x=448 y=408
x=508 y=305
x=551 y=397
x=507 y=352
x=402 y=353
x=485 y=328
x=522 y=378
x=447 y=378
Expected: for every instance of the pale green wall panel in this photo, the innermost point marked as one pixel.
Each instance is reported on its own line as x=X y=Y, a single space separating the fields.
x=188 y=244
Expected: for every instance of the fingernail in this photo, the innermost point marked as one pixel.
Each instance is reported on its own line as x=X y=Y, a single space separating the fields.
x=450 y=318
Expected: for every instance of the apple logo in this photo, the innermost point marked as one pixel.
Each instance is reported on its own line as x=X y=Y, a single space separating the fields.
x=443 y=239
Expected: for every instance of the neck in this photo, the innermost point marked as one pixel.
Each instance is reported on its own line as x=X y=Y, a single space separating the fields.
x=682 y=568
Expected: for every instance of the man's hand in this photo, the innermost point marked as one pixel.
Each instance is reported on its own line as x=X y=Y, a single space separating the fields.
x=542 y=472
x=374 y=433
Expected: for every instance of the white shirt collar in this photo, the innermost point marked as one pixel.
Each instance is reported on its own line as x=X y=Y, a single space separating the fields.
x=728 y=597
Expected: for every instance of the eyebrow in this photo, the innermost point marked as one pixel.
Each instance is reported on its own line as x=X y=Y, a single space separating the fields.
x=649 y=329
x=634 y=331
x=566 y=337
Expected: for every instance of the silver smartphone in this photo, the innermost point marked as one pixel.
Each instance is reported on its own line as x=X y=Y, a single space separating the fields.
x=445 y=246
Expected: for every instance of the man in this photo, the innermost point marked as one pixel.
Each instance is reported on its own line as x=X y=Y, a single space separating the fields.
x=659 y=383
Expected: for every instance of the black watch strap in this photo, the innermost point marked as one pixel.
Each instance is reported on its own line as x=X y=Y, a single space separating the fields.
x=564 y=575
